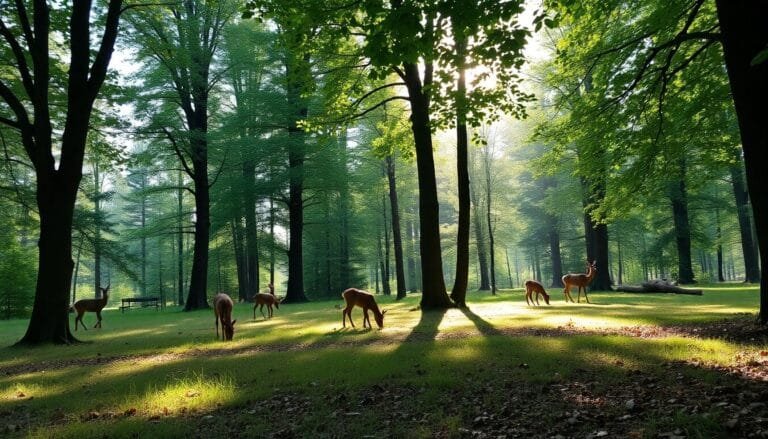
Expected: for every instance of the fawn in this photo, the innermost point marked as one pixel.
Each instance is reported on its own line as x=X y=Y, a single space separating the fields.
x=354 y=297
x=531 y=287
x=579 y=280
x=261 y=299
x=222 y=307
x=92 y=305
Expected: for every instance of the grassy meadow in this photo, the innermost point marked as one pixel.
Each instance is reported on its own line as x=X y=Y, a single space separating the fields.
x=500 y=368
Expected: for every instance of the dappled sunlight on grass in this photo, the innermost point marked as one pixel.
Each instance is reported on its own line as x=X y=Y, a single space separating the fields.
x=197 y=392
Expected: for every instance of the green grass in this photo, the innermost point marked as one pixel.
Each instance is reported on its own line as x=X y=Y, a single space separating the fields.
x=165 y=374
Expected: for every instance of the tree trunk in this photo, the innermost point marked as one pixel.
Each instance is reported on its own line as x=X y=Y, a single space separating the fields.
x=180 y=239
x=97 y=232
x=751 y=264
x=434 y=295
x=744 y=36
x=411 y=259
x=197 y=298
x=57 y=189
x=251 y=233
x=554 y=248
x=240 y=265
x=482 y=253
x=396 y=235
x=459 y=292
x=385 y=275
x=679 y=198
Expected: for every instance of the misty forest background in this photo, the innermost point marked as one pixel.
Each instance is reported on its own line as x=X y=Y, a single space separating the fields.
x=235 y=145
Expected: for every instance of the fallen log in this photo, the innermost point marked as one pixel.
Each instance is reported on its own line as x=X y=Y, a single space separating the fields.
x=657 y=286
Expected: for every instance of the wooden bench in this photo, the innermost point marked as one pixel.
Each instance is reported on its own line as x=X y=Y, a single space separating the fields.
x=127 y=303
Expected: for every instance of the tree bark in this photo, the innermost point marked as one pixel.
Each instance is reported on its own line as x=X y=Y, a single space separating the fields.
x=744 y=36
x=251 y=232
x=679 y=197
x=180 y=239
x=657 y=286
x=459 y=292
x=751 y=259
x=434 y=295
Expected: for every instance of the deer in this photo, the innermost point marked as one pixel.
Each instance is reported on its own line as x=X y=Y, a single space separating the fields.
x=579 y=280
x=261 y=299
x=354 y=297
x=92 y=305
x=531 y=287
x=222 y=307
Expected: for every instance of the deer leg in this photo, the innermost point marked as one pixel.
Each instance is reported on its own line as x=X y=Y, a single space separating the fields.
x=367 y=318
x=254 y=311
x=270 y=311
x=98 y=321
x=527 y=296
x=585 y=294
x=537 y=298
x=261 y=310
x=217 y=327
x=348 y=313
x=80 y=317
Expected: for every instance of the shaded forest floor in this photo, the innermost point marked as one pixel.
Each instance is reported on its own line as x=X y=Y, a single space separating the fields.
x=626 y=366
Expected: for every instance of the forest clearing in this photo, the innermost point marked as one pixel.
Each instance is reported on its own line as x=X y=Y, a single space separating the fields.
x=505 y=186
x=626 y=365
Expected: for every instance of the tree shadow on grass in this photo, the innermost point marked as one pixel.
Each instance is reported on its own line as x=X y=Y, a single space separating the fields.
x=482 y=325
x=426 y=328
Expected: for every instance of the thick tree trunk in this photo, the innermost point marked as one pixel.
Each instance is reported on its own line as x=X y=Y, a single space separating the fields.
x=434 y=295
x=459 y=292
x=679 y=198
x=97 y=232
x=744 y=36
x=751 y=264
x=197 y=297
x=49 y=322
x=295 y=290
x=396 y=235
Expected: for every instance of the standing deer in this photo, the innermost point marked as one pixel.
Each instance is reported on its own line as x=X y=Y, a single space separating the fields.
x=261 y=299
x=580 y=280
x=531 y=286
x=92 y=305
x=354 y=297
x=222 y=307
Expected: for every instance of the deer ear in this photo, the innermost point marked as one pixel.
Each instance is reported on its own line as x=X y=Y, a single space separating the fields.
x=384 y=312
x=233 y=322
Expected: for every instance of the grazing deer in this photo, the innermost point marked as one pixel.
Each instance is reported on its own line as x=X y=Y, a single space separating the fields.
x=92 y=305
x=261 y=299
x=222 y=307
x=580 y=280
x=365 y=300
x=531 y=287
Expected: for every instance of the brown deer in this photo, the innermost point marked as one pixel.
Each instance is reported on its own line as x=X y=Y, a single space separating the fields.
x=354 y=297
x=261 y=299
x=222 y=307
x=92 y=305
x=580 y=280
x=531 y=287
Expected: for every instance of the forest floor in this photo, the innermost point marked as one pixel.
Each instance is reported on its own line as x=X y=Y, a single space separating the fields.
x=625 y=366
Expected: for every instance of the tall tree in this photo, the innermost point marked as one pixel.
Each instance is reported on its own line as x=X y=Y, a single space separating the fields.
x=185 y=52
x=40 y=113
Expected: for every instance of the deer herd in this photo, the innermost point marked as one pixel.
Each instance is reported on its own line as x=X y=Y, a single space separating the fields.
x=223 y=304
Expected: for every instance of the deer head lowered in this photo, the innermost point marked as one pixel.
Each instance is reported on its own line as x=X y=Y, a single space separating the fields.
x=222 y=307
x=579 y=280
x=531 y=287
x=92 y=305
x=354 y=297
